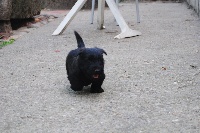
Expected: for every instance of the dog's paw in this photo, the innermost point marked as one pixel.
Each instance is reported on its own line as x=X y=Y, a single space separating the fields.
x=76 y=88
x=96 y=90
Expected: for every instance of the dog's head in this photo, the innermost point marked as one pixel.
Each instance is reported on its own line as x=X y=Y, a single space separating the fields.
x=91 y=62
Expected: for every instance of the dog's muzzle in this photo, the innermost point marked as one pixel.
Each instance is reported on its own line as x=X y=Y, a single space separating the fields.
x=96 y=74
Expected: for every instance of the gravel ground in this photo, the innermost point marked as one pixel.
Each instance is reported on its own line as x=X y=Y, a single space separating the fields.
x=152 y=81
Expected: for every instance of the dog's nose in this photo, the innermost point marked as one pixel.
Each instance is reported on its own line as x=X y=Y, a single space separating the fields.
x=97 y=70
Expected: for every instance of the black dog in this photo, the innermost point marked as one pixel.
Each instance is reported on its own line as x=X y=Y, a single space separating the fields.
x=85 y=66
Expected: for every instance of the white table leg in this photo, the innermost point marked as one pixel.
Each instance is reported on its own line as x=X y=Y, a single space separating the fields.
x=72 y=13
x=100 y=17
x=125 y=30
x=92 y=15
x=137 y=11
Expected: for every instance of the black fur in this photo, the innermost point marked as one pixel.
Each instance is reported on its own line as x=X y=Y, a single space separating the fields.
x=85 y=66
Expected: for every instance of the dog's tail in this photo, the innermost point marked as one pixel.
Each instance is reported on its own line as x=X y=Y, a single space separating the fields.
x=79 y=40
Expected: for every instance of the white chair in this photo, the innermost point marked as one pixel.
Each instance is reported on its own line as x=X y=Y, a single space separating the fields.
x=125 y=30
x=117 y=3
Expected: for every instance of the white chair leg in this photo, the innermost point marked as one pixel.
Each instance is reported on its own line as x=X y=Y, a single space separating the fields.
x=137 y=11
x=125 y=30
x=72 y=13
x=100 y=15
x=92 y=14
x=117 y=3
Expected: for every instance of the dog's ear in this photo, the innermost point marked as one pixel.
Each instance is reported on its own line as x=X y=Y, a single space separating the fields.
x=103 y=52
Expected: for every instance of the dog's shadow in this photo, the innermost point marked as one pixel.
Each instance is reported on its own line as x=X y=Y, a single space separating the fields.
x=85 y=91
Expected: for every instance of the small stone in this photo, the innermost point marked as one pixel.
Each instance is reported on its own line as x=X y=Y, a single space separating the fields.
x=49 y=20
x=175 y=83
x=175 y=120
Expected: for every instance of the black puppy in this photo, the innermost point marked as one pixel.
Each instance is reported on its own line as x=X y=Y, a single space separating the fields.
x=85 y=66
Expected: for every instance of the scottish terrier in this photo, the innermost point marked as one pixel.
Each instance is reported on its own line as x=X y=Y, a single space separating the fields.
x=85 y=66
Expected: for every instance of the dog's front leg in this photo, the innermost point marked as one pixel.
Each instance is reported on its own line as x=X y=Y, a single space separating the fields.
x=96 y=87
x=76 y=85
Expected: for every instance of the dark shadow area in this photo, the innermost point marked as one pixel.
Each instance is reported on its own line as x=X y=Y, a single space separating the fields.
x=17 y=23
